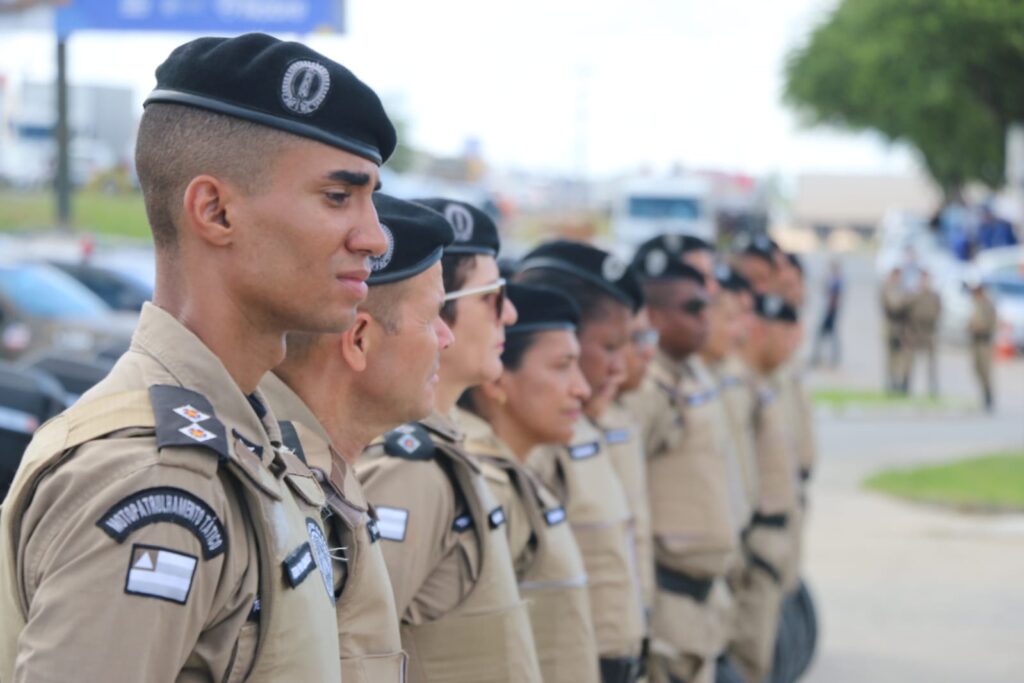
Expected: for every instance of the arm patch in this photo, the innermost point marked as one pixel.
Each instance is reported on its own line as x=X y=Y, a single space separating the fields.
x=410 y=441
x=166 y=504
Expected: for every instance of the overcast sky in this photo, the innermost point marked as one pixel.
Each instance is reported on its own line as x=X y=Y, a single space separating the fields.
x=554 y=85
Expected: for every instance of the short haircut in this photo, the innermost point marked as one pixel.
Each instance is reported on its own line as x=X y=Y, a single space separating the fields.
x=594 y=303
x=176 y=143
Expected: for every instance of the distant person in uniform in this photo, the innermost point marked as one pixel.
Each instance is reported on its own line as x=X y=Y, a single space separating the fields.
x=981 y=329
x=922 y=329
x=538 y=400
x=895 y=307
x=158 y=531
x=335 y=393
x=442 y=529
x=597 y=503
x=993 y=232
x=827 y=331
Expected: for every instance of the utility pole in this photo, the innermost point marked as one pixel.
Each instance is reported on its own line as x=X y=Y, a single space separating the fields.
x=62 y=179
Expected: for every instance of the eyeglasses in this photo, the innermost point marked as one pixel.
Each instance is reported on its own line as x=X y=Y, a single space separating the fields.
x=693 y=306
x=497 y=288
x=644 y=338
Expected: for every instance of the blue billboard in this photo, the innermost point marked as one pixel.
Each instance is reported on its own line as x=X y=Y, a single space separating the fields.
x=202 y=16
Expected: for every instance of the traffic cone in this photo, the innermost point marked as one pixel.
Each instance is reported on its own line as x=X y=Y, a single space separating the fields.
x=1004 y=342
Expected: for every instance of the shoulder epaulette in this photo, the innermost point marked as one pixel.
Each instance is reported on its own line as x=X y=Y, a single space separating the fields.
x=410 y=441
x=186 y=418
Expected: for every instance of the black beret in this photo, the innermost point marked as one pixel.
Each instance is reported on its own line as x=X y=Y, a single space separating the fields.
x=541 y=308
x=730 y=280
x=760 y=245
x=416 y=239
x=596 y=266
x=795 y=261
x=772 y=307
x=281 y=85
x=652 y=262
x=475 y=232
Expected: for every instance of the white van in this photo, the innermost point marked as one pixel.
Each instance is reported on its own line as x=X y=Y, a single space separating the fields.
x=645 y=207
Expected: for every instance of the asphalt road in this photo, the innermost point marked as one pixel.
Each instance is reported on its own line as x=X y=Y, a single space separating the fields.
x=908 y=592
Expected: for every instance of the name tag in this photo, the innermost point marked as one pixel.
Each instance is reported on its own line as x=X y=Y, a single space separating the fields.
x=497 y=517
x=462 y=523
x=584 y=451
x=616 y=436
x=554 y=516
x=694 y=400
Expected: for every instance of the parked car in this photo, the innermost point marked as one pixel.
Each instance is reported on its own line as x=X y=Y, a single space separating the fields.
x=42 y=307
x=120 y=289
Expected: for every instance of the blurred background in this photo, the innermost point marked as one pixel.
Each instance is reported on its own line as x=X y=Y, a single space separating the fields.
x=868 y=136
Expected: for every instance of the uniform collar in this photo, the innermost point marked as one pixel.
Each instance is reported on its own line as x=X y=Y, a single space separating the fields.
x=444 y=426
x=287 y=405
x=584 y=431
x=194 y=366
x=481 y=438
x=319 y=453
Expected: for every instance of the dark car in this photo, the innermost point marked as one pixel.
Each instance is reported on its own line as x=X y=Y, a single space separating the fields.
x=43 y=308
x=121 y=290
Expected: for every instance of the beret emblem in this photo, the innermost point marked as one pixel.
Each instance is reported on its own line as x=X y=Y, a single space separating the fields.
x=656 y=261
x=461 y=220
x=613 y=268
x=304 y=86
x=378 y=263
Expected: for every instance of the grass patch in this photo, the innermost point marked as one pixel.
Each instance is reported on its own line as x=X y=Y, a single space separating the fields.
x=120 y=214
x=989 y=482
x=845 y=398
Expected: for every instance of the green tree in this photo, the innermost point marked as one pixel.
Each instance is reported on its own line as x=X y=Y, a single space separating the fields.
x=941 y=75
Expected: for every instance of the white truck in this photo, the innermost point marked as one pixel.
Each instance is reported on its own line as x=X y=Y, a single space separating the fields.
x=645 y=207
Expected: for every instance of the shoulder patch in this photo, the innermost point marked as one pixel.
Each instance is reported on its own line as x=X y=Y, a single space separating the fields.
x=156 y=572
x=410 y=441
x=185 y=418
x=616 y=436
x=166 y=504
x=391 y=523
x=584 y=450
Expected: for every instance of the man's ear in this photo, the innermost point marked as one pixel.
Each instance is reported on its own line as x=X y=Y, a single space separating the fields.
x=357 y=341
x=205 y=206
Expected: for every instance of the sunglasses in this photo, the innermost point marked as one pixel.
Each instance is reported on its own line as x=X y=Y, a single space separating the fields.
x=644 y=338
x=497 y=288
x=693 y=306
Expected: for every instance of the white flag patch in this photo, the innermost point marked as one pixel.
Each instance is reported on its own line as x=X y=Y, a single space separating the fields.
x=160 y=573
x=391 y=523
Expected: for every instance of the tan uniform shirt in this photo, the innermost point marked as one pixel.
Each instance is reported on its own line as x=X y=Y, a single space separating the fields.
x=622 y=435
x=925 y=309
x=696 y=491
x=139 y=555
x=595 y=502
x=444 y=543
x=983 y=319
x=735 y=385
x=368 y=636
x=549 y=566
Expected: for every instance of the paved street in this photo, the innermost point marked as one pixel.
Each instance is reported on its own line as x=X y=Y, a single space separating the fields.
x=908 y=592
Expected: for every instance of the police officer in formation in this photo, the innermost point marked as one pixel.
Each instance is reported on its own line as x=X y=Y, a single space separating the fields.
x=342 y=448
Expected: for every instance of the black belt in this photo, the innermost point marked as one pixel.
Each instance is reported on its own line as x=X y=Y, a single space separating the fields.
x=805 y=473
x=682 y=584
x=777 y=521
x=983 y=338
x=620 y=669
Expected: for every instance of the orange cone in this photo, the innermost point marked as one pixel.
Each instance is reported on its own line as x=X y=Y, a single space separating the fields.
x=1004 y=342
